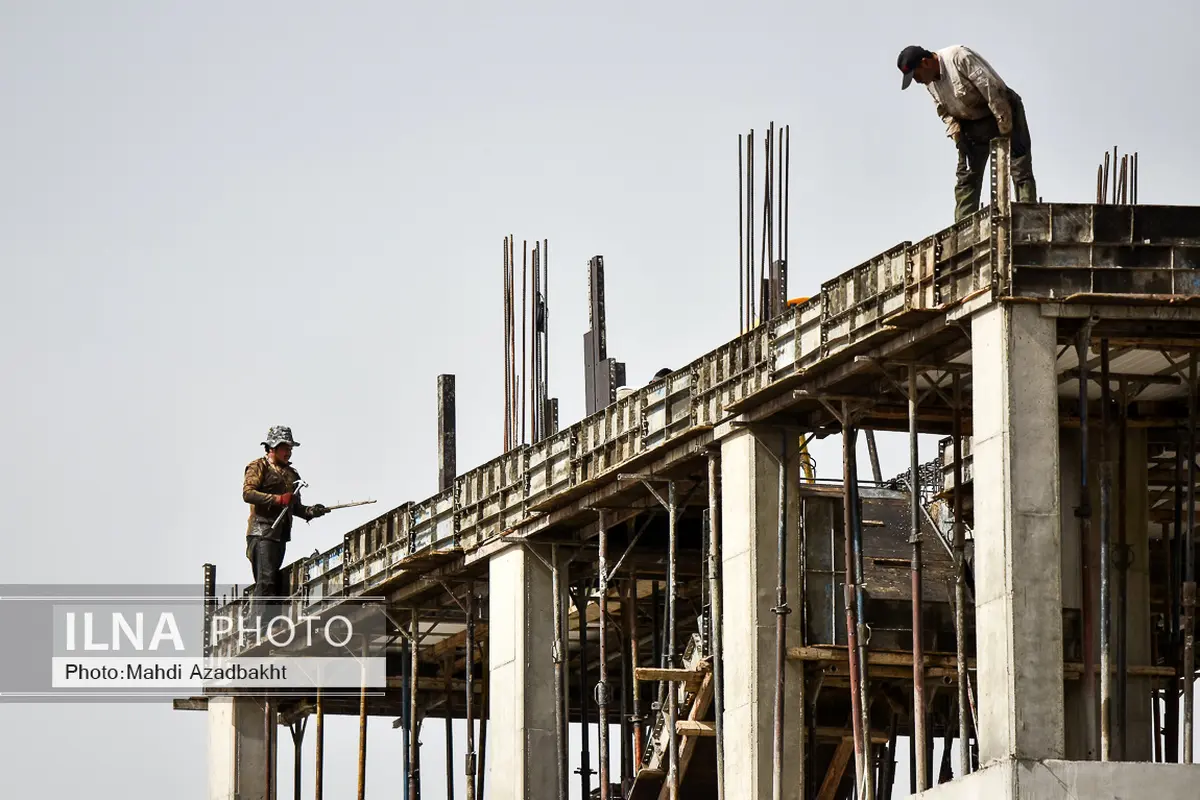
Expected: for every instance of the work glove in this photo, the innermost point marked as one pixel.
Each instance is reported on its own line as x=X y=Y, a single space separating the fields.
x=1005 y=125
x=284 y=500
x=319 y=510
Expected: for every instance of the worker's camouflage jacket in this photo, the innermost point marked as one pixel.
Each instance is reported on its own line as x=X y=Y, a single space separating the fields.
x=263 y=482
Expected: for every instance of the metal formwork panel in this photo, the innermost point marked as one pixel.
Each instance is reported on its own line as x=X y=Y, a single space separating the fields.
x=729 y=374
x=946 y=456
x=667 y=408
x=481 y=496
x=431 y=523
x=856 y=301
x=612 y=436
x=550 y=466
x=1064 y=249
x=949 y=265
x=323 y=575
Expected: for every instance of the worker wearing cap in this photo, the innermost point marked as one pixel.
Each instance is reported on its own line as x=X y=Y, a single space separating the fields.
x=269 y=487
x=977 y=106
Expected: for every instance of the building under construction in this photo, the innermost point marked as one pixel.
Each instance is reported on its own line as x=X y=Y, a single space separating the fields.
x=670 y=574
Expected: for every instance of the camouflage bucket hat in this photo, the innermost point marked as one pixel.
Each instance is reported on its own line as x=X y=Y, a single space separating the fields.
x=280 y=434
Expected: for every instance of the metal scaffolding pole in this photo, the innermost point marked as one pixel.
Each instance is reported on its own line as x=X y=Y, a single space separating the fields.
x=585 y=758
x=848 y=467
x=1189 y=568
x=714 y=578
x=1120 y=620
x=602 y=686
x=1083 y=513
x=297 y=729
x=320 y=756
x=560 y=713
x=469 y=778
x=960 y=588
x=918 y=644
x=1105 y=541
x=672 y=693
x=269 y=741
x=414 y=778
x=362 y=729
x=781 y=611
x=448 y=669
x=634 y=662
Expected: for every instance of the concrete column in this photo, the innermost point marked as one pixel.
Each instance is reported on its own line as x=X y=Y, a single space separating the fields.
x=749 y=569
x=521 y=762
x=238 y=750
x=1018 y=569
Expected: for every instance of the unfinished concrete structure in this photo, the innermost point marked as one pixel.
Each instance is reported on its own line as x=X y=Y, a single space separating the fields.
x=667 y=566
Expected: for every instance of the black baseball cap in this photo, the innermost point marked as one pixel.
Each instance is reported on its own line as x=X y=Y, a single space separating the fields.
x=910 y=58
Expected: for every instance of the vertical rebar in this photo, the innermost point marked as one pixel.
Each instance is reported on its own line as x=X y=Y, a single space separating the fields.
x=414 y=779
x=960 y=587
x=1105 y=542
x=524 y=337
x=715 y=589
x=781 y=611
x=1084 y=513
x=741 y=247
x=319 y=772
x=602 y=686
x=787 y=183
x=672 y=694
x=469 y=770
x=507 y=386
x=751 y=275
x=848 y=466
x=1189 y=567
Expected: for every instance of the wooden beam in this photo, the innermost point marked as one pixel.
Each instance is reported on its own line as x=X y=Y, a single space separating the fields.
x=689 y=676
x=837 y=768
x=689 y=727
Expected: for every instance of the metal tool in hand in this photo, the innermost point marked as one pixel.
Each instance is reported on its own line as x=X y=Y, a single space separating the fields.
x=300 y=484
x=348 y=505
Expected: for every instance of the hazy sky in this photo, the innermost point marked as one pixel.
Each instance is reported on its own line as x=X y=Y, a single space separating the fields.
x=217 y=217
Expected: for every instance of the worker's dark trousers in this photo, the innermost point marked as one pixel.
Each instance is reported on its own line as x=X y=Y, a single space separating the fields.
x=974 y=149
x=266 y=559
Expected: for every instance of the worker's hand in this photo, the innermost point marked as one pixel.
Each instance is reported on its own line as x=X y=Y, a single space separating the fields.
x=953 y=130
x=284 y=500
x=1005 y=125
x=319 y=510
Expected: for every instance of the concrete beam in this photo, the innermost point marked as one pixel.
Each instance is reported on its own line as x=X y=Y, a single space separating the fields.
x=1018 y=549
x=1023 y=779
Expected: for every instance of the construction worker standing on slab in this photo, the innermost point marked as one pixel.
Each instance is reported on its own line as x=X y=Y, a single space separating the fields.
x=977 y=106
x=272 y=486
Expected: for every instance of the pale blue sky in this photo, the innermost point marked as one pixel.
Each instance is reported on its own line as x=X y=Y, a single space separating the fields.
x=217 y=217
